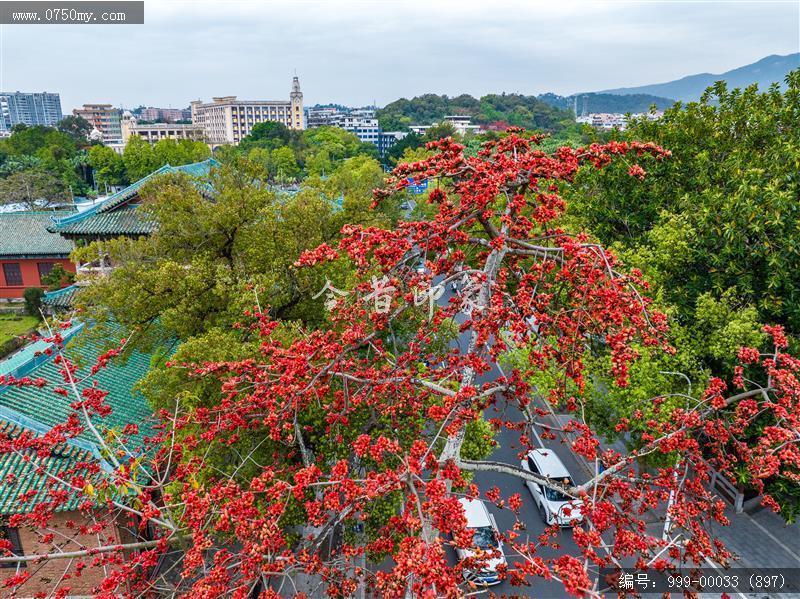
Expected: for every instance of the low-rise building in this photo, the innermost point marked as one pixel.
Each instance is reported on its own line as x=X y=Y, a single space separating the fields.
x=168 y=115
x=387 y=139
x=607 y=121
x=461 y=124
x=153 y=132
x=28 y=251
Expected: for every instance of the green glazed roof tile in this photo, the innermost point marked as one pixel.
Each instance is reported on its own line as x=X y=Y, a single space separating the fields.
x=25 y=234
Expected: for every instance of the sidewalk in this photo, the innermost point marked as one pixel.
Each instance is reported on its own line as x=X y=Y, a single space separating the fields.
x=759 y=539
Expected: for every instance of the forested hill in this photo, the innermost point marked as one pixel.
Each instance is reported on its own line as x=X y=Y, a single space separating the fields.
x=608 y=102
x=499 y=110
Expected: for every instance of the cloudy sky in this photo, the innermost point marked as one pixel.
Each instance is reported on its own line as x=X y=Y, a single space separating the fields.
x=357 y=51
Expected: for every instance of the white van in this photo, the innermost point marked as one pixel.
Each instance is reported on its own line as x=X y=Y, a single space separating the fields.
x=485 y=539
x=554 y=506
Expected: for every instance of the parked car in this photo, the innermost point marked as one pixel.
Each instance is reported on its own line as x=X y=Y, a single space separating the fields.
x=554 y=506
x=485 y=538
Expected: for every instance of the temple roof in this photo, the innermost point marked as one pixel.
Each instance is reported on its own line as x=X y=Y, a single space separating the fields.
x=26 y=235
x=103 y=219
x=60 y=299
x=35 y=410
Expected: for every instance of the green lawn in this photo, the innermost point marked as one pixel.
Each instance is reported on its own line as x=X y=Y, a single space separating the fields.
x=12 y=325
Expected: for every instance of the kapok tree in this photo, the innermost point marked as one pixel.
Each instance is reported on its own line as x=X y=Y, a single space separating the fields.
x=366 y=421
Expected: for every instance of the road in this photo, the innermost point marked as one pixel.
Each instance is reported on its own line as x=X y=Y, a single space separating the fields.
x=508 y=451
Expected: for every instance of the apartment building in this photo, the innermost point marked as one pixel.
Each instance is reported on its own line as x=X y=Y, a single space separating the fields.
x=22 y=108
x=105 y=118
x=228 y=120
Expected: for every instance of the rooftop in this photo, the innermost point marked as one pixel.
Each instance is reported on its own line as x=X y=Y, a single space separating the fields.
x=109 y=218
x=25 y=235
x=35 y=410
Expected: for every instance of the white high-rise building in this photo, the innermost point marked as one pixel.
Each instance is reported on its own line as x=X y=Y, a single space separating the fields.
x=28 y=109
x=228 y=120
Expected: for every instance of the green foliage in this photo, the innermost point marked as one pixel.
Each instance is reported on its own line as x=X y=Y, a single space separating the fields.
x=108 y=165
x=211 y=258
x=411 y=141
x=513 y=109
x=45 y=150
x=35 y=188
x=617 y=103
x=284 y=163
x=270 y=131
x=33 y=300
x=140 y=158
x=288 y=154
x=77 y=127
x=714 y=229
x=717 y=222
x=58 y=277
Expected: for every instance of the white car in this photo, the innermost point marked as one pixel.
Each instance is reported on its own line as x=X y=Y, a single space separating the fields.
x=554 y=506
x=485 y=539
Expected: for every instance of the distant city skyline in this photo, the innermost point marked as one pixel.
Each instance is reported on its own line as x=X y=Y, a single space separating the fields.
x=356 y=52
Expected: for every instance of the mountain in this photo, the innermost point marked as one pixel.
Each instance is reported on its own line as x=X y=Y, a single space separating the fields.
x=595 y=103
x=764 y=72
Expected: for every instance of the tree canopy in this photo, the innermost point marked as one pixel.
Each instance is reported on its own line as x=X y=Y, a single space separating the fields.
x=513 y=109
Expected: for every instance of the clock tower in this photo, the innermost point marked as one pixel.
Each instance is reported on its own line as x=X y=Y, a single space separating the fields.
x=296 y=119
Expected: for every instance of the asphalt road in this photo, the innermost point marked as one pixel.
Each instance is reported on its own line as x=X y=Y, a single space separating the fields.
x=508 y=452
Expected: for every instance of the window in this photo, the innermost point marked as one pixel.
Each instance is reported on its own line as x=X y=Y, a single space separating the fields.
x=44 y=270
x=12 y=534
x=532 y=465
x=553 y=495
x=13 y=274
x=484 y=538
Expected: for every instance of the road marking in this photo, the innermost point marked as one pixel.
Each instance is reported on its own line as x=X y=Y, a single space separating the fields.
x=774 y=538
x=716 y=567
x=538 y=438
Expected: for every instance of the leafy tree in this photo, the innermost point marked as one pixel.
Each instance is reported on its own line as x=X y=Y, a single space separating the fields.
x=242 y=242
x=319 y=163
x=33 y=301
x=343 y=446
x=713 y=230
x=274 y=133
x=178 y=152
x=411 y=140
x=284 y=163
x=139 y=158
x=58 y=277
x=34 y=187
x=516 y=109
x=14 y=164
x=76 y=127
x=717 y=215
x=108 y=166
x=338 y=143
x=45 y=149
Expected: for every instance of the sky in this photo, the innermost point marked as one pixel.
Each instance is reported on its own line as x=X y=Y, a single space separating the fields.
x=355 y=52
